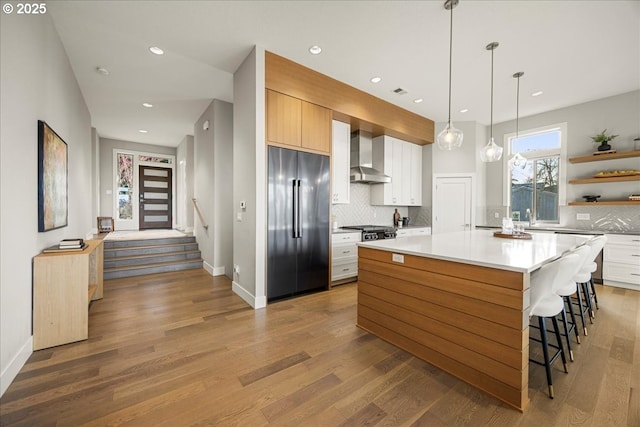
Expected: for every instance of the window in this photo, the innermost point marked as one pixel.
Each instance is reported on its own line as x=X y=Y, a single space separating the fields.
x=535 y=187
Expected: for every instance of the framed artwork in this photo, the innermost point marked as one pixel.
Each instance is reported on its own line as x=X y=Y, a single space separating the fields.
x=53 y=200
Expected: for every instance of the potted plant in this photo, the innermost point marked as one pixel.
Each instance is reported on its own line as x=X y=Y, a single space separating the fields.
x=603 y=139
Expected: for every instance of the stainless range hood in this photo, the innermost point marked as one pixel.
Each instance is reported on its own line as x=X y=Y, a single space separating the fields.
x=362 y=170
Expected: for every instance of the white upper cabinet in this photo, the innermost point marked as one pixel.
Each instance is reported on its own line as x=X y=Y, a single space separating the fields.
x=402 y=161
x=340 y=158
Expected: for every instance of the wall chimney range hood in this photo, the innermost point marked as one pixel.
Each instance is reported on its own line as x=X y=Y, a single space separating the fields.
x=362 y=170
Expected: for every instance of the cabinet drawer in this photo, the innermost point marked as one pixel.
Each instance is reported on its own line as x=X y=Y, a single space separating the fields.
x=339 y=238
x=625 y=273
x=342 y=271
x=339 y=252
x=622 y=254
x=623 y=239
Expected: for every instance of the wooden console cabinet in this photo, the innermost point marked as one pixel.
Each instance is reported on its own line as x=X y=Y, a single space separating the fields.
x=64 y=284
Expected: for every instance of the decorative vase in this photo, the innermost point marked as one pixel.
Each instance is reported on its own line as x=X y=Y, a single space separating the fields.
x=604 y=146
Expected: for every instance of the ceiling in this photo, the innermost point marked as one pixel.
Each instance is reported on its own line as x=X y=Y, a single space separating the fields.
x=573 y=51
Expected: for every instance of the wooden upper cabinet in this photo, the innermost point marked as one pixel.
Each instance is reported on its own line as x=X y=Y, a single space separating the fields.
x=316 y=127
x=291 y=121
x=284 y=116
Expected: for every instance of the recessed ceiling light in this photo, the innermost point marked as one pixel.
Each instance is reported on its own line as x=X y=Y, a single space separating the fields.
x=376 y=79
x=143 y=131
x=538 y=93
x=315 y=50
x=146 y=104
x=464 y=110
x=418 y=101
x=102 y=70
x=156 y=50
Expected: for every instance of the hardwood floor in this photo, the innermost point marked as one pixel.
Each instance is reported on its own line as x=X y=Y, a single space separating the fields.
x=181 y=349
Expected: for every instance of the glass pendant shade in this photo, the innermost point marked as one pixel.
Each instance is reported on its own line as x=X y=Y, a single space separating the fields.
x=450 y=138
x=517 y=161
x=491 y=152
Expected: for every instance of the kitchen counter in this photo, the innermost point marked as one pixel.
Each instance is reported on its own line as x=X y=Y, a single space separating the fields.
x=481 y=248
x=459 y=301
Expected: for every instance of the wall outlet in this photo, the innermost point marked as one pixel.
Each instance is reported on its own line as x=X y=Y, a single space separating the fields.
x=397 y=258
x=236 y=268
x=496 y=215
x=583 y=217
x=239 y=216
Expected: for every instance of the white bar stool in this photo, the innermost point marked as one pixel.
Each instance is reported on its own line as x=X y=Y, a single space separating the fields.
x=565 y=286
x=545 y=303
x=584 y=277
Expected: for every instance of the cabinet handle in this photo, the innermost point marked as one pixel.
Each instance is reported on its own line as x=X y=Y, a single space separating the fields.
x=345 y=269
x=346 y=252
x=635 y=274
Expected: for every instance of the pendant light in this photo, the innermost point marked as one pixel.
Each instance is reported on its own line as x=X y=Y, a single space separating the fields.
x=491 y=152
x=518 y=160
x=450 y=138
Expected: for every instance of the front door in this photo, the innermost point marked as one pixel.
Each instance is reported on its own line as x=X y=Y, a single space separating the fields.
x=155 y=197
x=453 y=204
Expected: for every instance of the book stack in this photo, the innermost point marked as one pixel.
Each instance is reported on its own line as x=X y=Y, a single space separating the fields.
x=71 y=244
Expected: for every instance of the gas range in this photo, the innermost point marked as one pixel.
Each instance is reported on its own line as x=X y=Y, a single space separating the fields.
x=373 y=232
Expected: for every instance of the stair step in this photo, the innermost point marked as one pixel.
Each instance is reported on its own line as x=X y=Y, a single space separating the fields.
x=112 y=244
x=122 y=261
x=151 y=268
x=127 y=251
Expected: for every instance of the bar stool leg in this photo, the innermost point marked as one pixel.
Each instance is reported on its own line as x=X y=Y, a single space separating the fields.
x=584 y=325
x=593 y=290
x=566 y=331
x=545 y=353
x=573 y=318
x=587 y=297
x=556 y=328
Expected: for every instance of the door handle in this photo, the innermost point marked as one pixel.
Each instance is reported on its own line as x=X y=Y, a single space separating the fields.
x=299 y=201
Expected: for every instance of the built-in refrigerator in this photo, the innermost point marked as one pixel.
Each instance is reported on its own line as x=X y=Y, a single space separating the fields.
x=298 y=223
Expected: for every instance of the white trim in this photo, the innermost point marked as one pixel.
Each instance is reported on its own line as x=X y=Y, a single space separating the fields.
x=434 y=183
x=133 y=224
x=255 y=302
x=218 y=271
x=562 y=180
x=208 y=267
x=13 y=368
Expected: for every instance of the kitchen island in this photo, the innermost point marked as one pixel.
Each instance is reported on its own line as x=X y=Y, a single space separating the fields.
x=459 y=301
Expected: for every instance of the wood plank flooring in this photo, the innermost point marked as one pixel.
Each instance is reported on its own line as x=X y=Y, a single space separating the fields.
x=180 y=349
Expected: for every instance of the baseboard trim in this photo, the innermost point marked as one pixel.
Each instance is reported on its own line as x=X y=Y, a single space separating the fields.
x=218 y=271
x=256 y=303
x=208 y=267
x=13 y=368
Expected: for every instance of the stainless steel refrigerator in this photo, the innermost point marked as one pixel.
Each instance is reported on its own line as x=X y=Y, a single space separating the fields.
x=298 y=223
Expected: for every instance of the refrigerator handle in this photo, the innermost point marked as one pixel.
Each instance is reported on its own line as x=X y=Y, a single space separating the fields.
x=299 y=201
x=295 y=210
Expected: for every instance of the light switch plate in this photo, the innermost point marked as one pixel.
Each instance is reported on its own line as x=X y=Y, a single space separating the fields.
x=583 y=216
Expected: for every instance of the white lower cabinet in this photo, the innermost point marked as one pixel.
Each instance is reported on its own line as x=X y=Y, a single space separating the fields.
x=413 y=231
x=344 y=255
x=621 y=261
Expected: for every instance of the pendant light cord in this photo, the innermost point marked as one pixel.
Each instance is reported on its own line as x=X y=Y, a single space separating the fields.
x=450 y=56
x=517 y=107
x=491 y=136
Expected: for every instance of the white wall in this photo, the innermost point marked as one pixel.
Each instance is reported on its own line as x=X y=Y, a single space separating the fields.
x=618 y=114
x=37 y=84
x=249 y=179
x=213 y=186
x=184 y=184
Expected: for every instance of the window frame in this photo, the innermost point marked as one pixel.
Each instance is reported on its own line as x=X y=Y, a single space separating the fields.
x=535 y=155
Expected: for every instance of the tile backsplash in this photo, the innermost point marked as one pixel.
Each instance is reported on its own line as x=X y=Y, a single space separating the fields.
x=615 y=219
x=359 y=211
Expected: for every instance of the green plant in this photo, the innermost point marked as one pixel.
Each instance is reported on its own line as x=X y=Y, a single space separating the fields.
x=603 y=138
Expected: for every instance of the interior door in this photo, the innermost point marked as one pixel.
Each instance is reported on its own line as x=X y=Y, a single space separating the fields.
x=155 y=198
x=453 y=204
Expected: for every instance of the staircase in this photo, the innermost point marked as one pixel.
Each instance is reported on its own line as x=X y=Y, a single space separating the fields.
x=128 y=258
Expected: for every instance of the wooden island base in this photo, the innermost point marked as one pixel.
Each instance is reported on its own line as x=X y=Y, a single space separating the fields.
x=467 y=320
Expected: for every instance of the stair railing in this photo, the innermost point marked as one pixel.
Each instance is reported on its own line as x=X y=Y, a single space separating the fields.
x=202 y=221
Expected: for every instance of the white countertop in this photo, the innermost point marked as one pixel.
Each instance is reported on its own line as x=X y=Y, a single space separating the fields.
x=480 y=247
